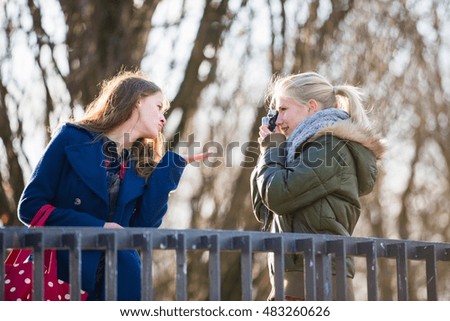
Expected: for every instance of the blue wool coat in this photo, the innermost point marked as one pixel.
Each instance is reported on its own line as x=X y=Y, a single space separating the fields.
x=71 y=176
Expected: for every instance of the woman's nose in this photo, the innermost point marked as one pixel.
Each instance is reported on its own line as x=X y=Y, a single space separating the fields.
x=279 y=120
x=163 y=119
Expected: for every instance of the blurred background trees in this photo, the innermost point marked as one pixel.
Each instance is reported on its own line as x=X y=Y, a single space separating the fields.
x=214 y=59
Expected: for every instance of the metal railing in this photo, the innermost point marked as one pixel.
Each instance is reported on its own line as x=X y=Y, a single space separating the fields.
x=318 y=251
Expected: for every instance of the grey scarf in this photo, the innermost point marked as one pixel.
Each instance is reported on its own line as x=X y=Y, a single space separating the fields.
x=309 y=127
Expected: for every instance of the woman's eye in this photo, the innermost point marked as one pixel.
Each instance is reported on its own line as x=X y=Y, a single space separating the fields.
x=162 y=109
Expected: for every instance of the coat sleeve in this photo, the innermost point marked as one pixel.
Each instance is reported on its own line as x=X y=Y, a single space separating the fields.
x=284 y=190
x=163 y=180
x=45 y=181
x=261 y=212
x=257 y=203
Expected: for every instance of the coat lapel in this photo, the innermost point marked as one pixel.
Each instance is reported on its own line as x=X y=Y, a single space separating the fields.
x=132 y=186
x=87 y=162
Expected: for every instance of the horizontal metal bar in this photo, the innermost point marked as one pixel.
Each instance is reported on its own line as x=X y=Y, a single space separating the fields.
x=317 y=250
x=195 y=239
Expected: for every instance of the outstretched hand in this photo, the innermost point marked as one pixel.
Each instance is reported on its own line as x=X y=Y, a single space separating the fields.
x=196 y=157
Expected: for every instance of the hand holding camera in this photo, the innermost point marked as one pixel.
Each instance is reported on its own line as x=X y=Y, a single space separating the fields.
x=268 y=124
x=270 y=119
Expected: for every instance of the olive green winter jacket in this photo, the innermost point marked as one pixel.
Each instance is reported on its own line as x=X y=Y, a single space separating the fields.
x=321 y=193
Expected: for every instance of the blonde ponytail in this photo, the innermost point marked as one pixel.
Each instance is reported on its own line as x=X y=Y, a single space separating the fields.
x=349 y=98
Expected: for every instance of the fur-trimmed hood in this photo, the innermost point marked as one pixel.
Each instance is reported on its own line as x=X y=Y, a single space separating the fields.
x=365 y=148
x=351 y=131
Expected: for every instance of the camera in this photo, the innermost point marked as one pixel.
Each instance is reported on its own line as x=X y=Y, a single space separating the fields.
x=270 y=119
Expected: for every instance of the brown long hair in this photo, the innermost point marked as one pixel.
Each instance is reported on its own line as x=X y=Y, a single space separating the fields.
x=114 y=105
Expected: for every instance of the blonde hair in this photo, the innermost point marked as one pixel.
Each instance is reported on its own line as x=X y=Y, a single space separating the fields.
x=114 y=105
x=310 y=85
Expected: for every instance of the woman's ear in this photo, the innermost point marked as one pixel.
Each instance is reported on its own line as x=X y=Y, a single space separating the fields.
x=313 y=105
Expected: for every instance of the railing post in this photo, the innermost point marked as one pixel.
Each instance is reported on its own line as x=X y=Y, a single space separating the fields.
x=179 y=242
x=399 y=251
x=308 y=248
x=275 y=244
x=73 y=242
x=245 y=245
x=323 y=270
x=109 y=241
x=340 y=254
x=429 y=254
x=36 y=241
x=145 y=242
x=214 y=268
x=370 y=251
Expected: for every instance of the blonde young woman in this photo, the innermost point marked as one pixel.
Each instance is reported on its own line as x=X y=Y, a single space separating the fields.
x=108 y=170
x=321 y=157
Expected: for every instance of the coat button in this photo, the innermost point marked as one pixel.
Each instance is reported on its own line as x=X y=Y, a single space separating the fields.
x=77 y=202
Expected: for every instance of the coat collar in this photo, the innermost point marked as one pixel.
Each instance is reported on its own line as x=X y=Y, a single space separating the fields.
x=87 y=161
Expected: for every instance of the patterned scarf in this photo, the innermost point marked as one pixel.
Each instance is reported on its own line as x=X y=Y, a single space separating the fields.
x=116 y=166
x=309 y=127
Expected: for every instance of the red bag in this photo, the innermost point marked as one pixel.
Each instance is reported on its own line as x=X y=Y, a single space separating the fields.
x=19 y=271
